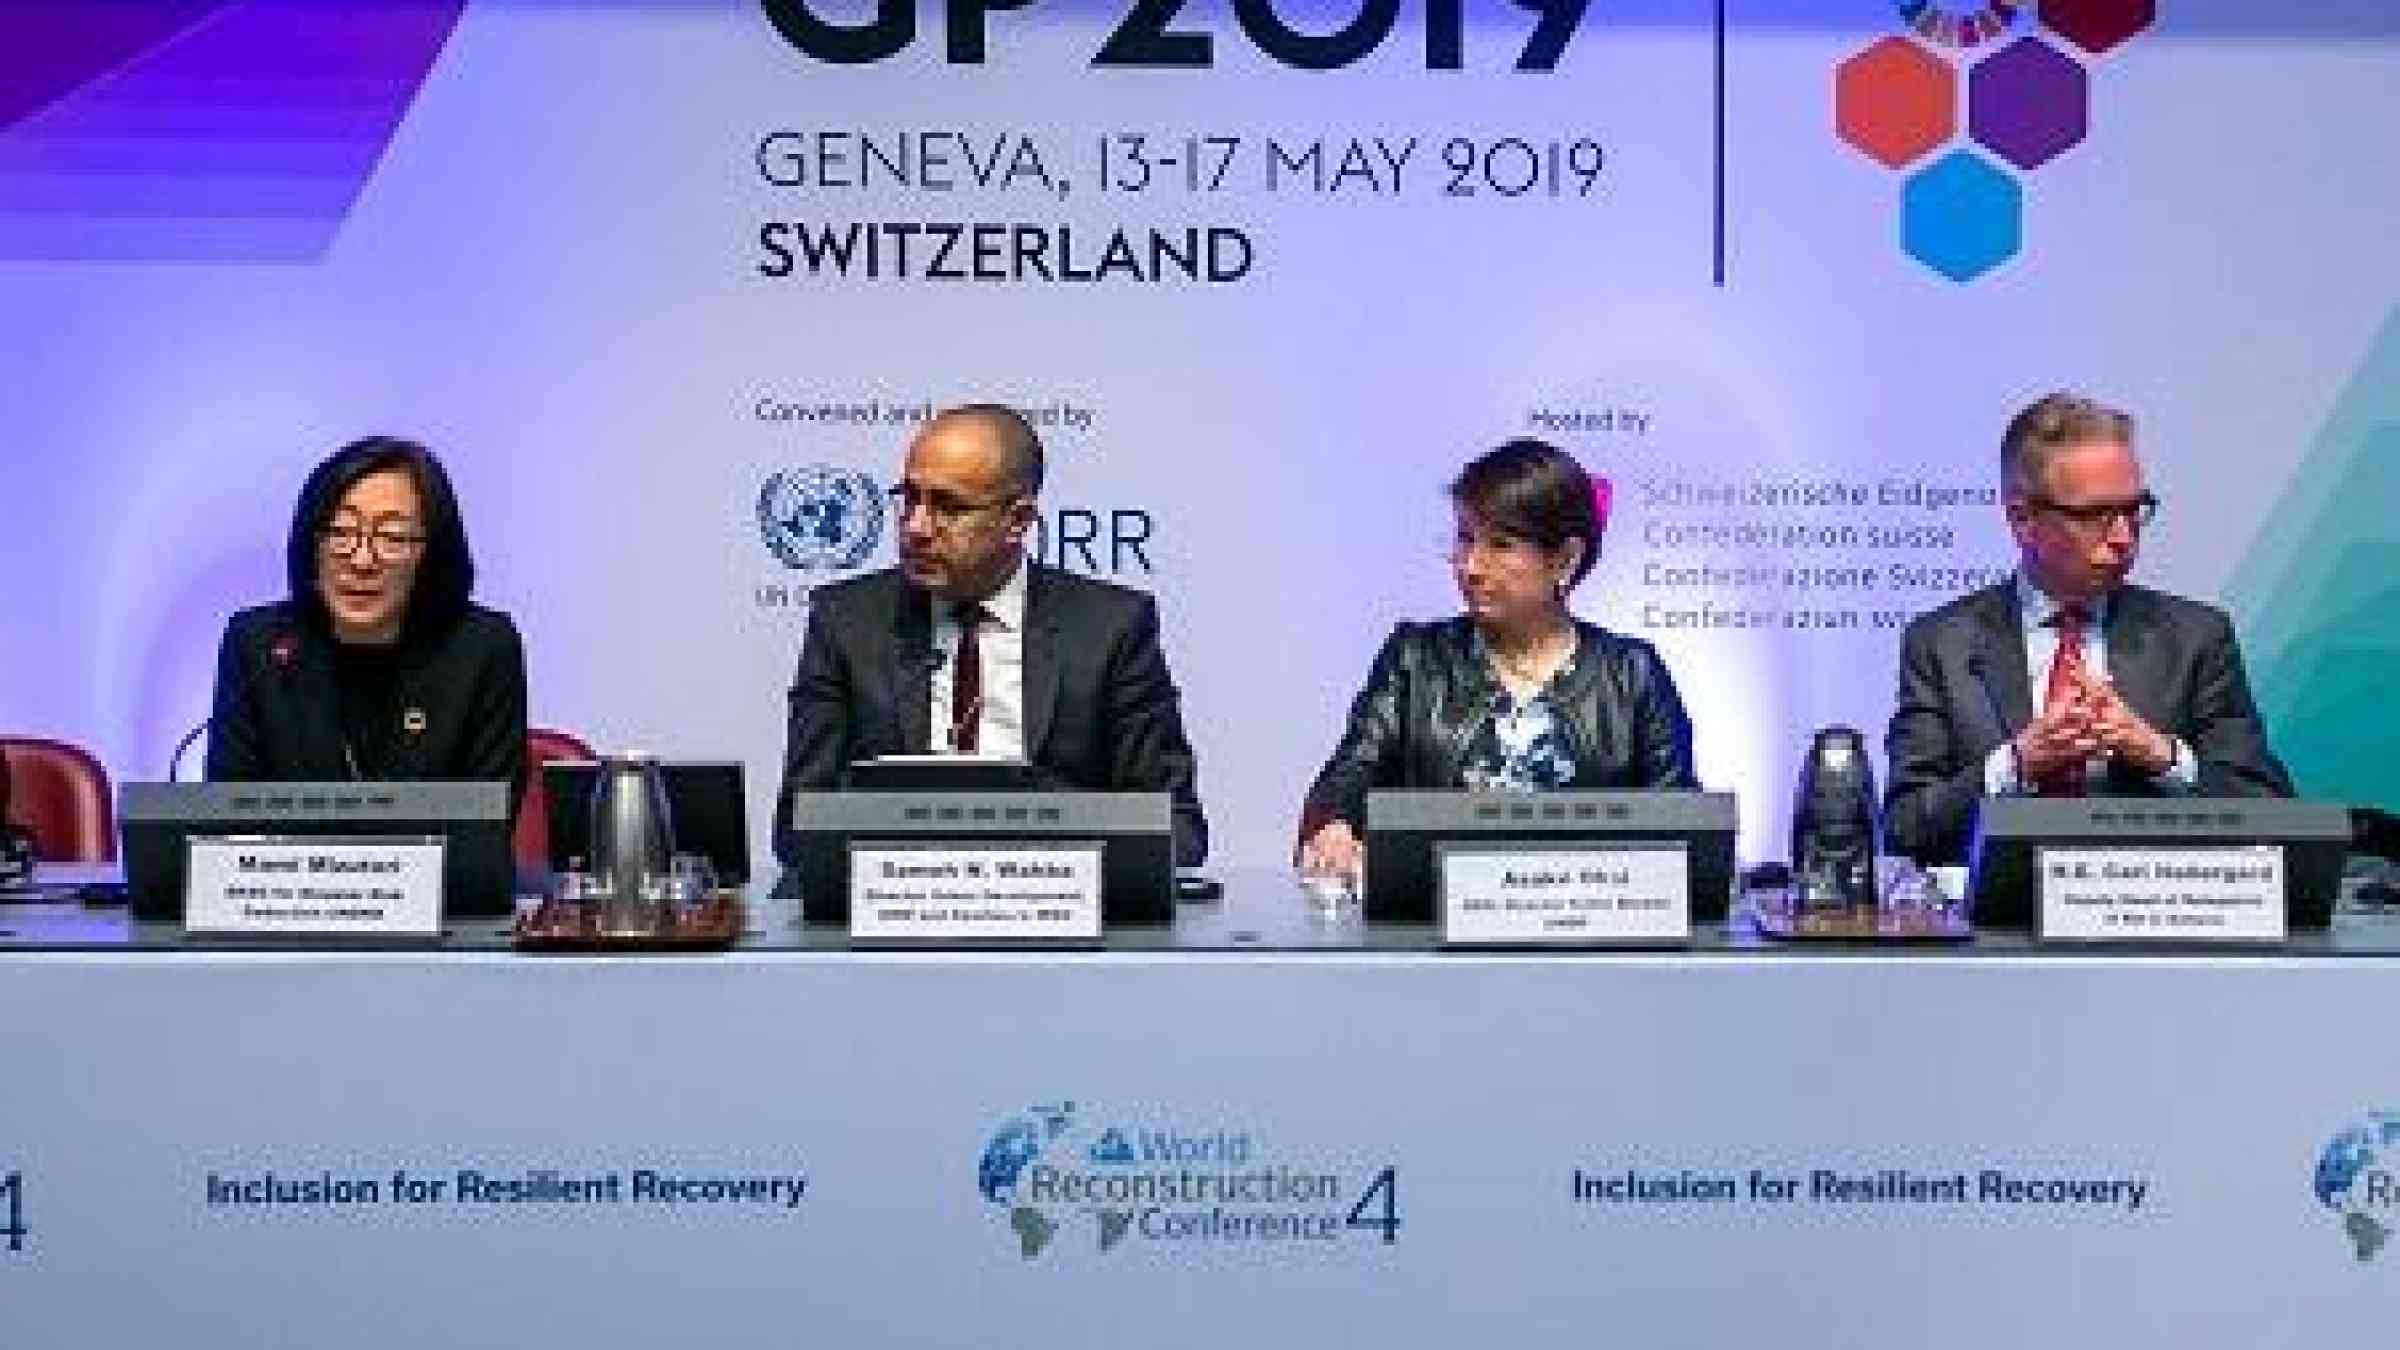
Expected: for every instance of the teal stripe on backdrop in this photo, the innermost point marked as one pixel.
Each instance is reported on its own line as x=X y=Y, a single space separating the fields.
x=2318 y=595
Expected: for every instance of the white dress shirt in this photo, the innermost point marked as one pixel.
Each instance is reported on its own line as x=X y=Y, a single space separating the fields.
x=1000 y=648
x=2037 y=616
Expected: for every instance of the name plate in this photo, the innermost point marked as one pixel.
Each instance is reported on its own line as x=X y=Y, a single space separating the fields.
x=954 y=892
x=1525 y=894
x=2161 y=894
x=314 y=887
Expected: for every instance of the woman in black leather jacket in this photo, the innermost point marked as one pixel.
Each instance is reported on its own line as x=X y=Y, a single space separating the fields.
x=1515 y=694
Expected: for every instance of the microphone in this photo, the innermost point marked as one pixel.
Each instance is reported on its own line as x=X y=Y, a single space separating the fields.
x=283 y=650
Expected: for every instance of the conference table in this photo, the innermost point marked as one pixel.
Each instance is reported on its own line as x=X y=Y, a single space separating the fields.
x=1259 y=1124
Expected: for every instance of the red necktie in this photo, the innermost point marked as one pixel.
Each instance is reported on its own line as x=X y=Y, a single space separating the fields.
x=2066 y=672
x=966 y=680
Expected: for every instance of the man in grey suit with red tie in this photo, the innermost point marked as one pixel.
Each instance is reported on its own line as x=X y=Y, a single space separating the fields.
x=2065 y=680
x=971 y=647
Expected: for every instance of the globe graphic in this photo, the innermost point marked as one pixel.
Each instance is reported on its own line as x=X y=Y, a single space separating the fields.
x=818 y=518
x=1004 y=1158
x=2348 y=1154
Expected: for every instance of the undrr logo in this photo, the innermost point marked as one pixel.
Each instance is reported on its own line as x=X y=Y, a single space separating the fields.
x=1146 y=37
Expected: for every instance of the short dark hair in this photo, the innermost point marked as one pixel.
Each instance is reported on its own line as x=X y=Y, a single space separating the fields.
x=2048 y=425
x=1020 y=445
x=1533 y=490
x=446 y=571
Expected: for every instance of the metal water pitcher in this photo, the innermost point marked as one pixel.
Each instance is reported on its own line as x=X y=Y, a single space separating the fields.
x=633 y=845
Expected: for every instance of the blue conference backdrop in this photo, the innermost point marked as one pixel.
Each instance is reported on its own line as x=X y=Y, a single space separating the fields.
x=670 y=283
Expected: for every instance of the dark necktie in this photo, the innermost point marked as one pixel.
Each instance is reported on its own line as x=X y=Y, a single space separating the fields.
x=2066 y=672
x=966 y=679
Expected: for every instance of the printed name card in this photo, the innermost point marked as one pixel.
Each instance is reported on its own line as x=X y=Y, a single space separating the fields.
x=265 y=886
x=1523 y=894
x=975 y=892
x=2162 y=894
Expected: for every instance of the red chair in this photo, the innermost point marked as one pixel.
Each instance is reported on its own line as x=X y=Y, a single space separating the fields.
x=60 y=794
x=533 y=813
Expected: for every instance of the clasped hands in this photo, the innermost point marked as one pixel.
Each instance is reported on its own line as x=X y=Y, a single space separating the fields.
x=2090 y=719
x=1333 y=850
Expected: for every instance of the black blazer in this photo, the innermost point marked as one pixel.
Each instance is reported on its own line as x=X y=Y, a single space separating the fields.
x=2174 y=661
x=1429 y=692
x=277 y=713
x=1101 y=712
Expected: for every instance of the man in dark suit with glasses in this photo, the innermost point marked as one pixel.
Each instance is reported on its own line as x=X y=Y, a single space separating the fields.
x=2065 y=679
x=970 y=647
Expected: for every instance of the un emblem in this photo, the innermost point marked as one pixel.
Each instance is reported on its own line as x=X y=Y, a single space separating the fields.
x=820 y=518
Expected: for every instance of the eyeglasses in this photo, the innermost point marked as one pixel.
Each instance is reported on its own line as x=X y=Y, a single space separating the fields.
x=2136 y=514
x=388 y=544
x=945 y=510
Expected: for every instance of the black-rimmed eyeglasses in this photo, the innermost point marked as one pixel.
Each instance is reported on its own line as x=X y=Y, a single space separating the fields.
x=2136 y=512
x=386 y=543
x=944 y=509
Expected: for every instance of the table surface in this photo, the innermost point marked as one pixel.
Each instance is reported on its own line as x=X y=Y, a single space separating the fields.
x=1507 y=1108
x=1262 y=910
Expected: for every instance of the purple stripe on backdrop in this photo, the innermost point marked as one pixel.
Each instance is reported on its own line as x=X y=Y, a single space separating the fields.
x=199 y=114
x=289 y=190
x=269 y=41
x=233 y=239
x=48 y=48
x=272 y=114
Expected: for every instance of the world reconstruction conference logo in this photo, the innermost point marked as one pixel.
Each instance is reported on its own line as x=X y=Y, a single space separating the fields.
x=2027 y=103
x=2355 y=1180
x=1045 y=1169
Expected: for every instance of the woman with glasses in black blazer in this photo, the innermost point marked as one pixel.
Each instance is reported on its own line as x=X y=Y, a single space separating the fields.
x=378 y=666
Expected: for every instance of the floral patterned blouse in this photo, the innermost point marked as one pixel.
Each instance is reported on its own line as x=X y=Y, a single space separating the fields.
x=1523 y=746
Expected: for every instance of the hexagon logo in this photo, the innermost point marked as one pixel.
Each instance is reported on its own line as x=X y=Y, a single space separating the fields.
x=2028 y=103
x=1957 y=25
x=1961 y=216
x=1895 y=101
x=2097 y=25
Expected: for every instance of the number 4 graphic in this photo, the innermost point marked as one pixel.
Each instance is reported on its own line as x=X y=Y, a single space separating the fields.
x=12 y=1190
x=1387 y=1185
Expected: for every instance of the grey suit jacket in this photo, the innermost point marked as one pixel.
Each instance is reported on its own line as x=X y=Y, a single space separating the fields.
x=2174 y=661
x=1101 y=711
